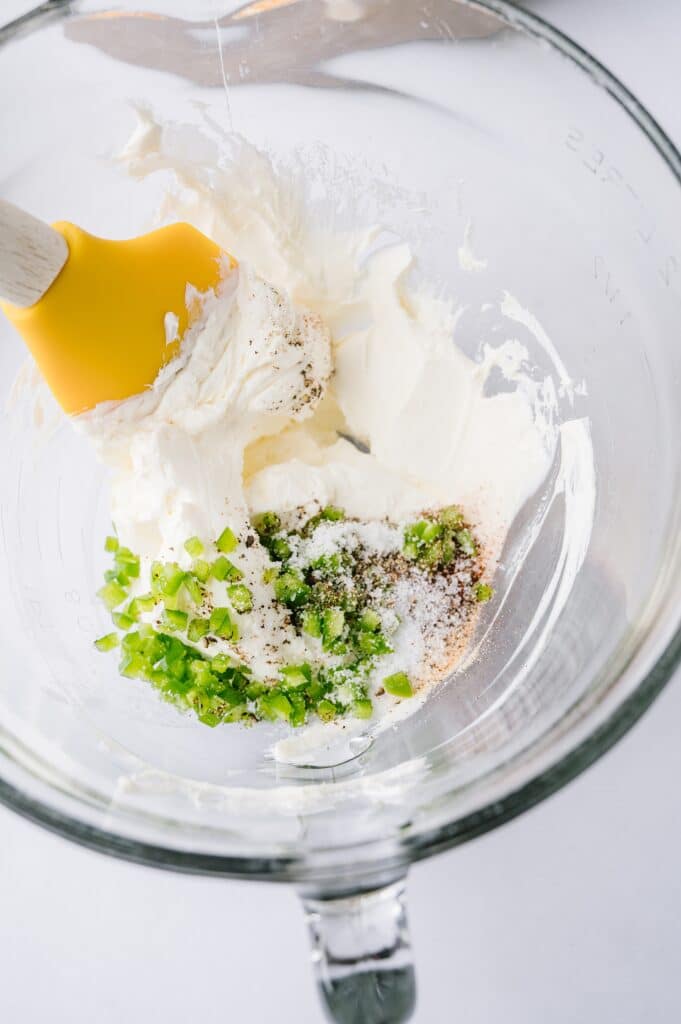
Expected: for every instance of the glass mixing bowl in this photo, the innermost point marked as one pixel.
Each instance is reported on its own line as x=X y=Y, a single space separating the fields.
x=430 y=117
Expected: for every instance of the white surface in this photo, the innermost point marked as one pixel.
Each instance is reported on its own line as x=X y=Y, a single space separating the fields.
x=572 y=913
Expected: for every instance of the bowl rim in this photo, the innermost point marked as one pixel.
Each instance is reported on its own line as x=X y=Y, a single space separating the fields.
x=566 y=766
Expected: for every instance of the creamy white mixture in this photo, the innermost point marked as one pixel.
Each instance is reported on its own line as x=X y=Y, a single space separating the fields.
x=338 y=382
x=400 y=386
x=251 y=365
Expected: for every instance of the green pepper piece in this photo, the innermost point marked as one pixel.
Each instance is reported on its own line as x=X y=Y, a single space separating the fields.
x=201 y=569
x=362 y=708
x=174 y=619
x=220 y=623
x=312 y=623
x=223 y=569
x=122 y=621
x=326 y=710
x=193 y=547
x=227 y=541
x=107 y=643
x=196 y=629
x=240 y=597
x=291 y=589
x=112 y=594
x=398 y=684
x=193 y=588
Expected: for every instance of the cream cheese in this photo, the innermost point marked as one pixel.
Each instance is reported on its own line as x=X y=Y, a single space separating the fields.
x=251 y=364
x=401 y=387
x=337 y=383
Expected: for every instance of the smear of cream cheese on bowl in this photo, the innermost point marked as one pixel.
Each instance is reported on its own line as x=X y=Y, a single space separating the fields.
x=320 y=374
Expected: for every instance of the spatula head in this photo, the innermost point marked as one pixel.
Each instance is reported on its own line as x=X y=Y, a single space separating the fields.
x=99 y=333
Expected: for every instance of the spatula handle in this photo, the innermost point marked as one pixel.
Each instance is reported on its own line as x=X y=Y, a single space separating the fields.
x=31 y=255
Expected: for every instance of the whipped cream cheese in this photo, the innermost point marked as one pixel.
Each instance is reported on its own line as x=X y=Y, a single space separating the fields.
x=250 y=365
x=319 y=374
x=406 y=423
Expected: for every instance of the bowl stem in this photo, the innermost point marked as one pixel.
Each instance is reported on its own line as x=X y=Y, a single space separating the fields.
x=361 y=954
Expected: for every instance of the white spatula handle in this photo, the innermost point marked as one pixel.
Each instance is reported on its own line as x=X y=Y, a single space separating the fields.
x=31 y=255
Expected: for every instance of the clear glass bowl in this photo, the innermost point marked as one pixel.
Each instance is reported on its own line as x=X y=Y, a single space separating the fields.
x=470 y=112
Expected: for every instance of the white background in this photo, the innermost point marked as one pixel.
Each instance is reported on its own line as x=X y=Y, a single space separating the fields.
x=572 y=913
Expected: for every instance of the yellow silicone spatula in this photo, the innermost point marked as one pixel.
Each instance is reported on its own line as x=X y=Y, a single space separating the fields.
x=94 y=312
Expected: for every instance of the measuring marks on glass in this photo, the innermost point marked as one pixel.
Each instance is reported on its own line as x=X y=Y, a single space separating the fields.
x=667 y=264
